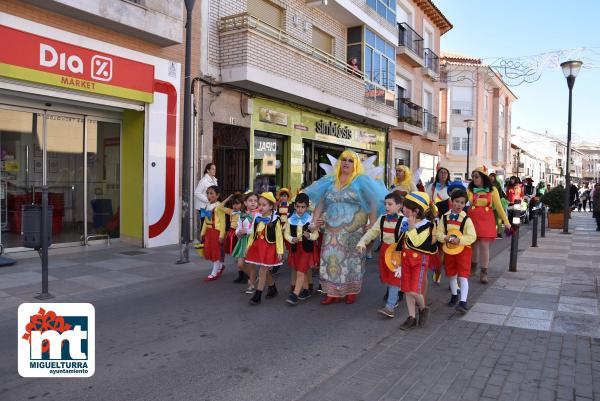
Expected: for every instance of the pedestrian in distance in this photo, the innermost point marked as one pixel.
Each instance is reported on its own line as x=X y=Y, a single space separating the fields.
x=200 y=198
x=418 y=244
x=387 y=228
x=265 y=246
x=484 y=200
x=301 y=240
x=596 y=205
x=456 y=232
x=213 y=233
x=242 y=233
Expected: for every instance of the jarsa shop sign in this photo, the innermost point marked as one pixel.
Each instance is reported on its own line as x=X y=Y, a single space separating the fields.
x=34 y=58
x=56 y=340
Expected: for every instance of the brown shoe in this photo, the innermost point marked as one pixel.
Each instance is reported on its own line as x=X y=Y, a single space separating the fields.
x=409 y=323
x=423 y=316
x=473 y=268
x=483 y=277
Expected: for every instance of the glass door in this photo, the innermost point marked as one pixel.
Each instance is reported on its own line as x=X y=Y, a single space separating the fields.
x=21 y=173
x=64 y=173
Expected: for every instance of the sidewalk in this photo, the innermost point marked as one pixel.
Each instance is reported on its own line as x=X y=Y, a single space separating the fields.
x=488 y=354
x=86 y=273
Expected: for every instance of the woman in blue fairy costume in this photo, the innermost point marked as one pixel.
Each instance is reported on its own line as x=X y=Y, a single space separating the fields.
x=347 y=200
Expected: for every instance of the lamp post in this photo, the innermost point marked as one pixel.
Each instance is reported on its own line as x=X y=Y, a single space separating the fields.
x=570 y=70
x=469 y=123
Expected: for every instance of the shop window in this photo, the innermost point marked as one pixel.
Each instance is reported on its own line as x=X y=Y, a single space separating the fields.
x=322 y=41
x=268 y=163
x=267 y=12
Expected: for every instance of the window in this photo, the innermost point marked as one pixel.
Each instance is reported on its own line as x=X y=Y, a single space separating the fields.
x=401 y=156
x=385 y=8
x=485 y=143
x=501 y=115
x=381 y=56
x=428 y=163
x=462 y=100
x=268 y=160
x=266 y=12
x=485 y=107
x=459 y=140
x=322 y=41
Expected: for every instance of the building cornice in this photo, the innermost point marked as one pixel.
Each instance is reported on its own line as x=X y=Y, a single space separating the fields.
x=435 y=15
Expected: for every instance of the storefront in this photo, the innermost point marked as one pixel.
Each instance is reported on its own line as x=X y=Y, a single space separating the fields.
x=289 y=142
x=95 y=122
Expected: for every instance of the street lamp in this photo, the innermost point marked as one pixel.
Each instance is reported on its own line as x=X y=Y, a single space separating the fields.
x=469 y=123
x=570 y=70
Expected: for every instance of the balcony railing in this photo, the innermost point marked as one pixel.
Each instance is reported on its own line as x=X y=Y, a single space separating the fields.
x=430 y=123
x=432 y=61
x=409 y=38
x=247 y=21
x=410 y=113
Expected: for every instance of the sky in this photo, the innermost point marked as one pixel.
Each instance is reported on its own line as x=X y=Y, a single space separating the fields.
x=490 y=29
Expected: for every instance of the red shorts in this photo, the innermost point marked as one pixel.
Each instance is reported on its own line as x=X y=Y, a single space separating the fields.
x=459 y=265
x=414 y=271
x=301 y=261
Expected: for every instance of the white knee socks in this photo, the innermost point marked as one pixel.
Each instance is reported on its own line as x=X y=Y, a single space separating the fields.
x=464 y=288
x=454 y=285
x=215 y=269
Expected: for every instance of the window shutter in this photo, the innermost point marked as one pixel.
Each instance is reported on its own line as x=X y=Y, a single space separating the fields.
x=322 y=41
x=267 y=12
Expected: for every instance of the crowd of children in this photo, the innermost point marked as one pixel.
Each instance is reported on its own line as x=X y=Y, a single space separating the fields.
x=414 y=233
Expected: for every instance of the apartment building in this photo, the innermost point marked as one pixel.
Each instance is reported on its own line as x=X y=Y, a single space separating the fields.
x=473 y=91
x=591 y=161
x=526 y=163
x=287 y=82
x=90 y=105
x=414 y=139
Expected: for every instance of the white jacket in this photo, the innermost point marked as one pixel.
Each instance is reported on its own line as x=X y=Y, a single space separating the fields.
x=200 y=199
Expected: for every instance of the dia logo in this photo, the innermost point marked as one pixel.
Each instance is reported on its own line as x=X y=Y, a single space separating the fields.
x=56 y=340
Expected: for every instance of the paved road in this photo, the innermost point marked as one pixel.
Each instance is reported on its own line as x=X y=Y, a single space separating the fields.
x=182 y=339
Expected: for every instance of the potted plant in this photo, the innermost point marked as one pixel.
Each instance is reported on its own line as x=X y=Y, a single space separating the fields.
x=555 y=201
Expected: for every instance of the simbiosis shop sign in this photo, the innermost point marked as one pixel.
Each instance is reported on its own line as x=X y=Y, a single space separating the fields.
x=28 y=57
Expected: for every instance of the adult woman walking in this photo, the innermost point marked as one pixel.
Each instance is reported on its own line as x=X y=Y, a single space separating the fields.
x=438 y=189
x=403 y=181
x=484 y=200
x=200 y=199
x=345 y=201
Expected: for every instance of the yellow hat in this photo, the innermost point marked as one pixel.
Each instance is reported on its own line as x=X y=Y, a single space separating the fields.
x=393 y=258
x=482 y=170
x=268 y=196
x=452 y=249
x=420 y=198
x=284 y=191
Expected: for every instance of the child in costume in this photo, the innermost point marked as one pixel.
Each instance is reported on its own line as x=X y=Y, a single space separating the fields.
x=484 y=200
x=265 y=246
x=213 y=233
x=242 y=232
x=283 y=197
x=418 y=244
x=387 y=228
x=232 y=217
x=301 y=257
x=454 y=230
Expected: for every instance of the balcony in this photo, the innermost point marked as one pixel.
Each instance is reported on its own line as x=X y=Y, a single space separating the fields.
x=410 y=45
x=432 y=65
x=259 y=57
x=430 y=126
x=410 y=117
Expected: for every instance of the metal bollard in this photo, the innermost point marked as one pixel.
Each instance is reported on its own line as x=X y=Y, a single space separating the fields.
x=543 y=223
x=535 y=228
x=514 y=242
x=45 y=224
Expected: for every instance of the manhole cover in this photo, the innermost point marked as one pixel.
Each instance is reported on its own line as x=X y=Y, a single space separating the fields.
x=133 y=253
